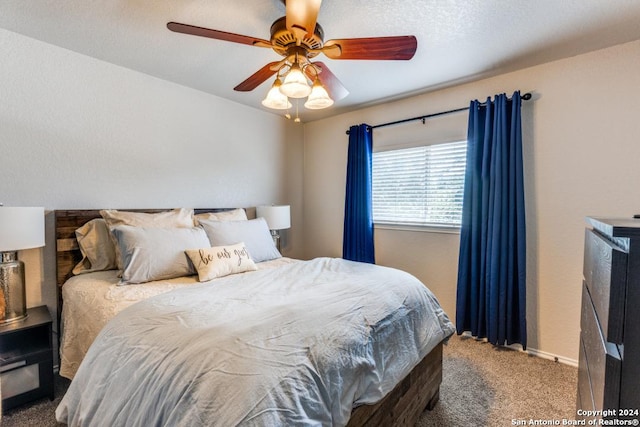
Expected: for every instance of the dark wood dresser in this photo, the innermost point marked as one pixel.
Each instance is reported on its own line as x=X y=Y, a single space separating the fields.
x=609 y=364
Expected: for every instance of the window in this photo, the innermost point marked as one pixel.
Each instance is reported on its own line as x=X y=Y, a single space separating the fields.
x=419 y=185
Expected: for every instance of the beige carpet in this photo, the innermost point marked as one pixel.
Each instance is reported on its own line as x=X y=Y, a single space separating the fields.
x=482 y=386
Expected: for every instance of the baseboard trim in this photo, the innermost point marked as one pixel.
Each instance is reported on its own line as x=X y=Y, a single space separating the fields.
x=534 y=352
x=554 y=357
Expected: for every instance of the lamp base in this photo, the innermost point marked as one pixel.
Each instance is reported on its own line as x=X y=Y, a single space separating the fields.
x=276 y=238
x=13 y=305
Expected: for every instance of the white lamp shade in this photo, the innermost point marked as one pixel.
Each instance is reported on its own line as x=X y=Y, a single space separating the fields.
x=277 y=217
x=21 y=228
x=276 y=99
x=318 y=98
x=295 y=83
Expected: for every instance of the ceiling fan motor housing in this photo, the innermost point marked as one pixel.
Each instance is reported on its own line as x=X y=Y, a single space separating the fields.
x=282 y=39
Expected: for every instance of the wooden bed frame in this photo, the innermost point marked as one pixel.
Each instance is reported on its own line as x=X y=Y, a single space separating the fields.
x=403 y=406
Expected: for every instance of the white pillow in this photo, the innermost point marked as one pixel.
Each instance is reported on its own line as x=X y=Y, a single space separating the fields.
x=232 y=215
x=168 y=219
x=173 y=218
x=156 y=253
x=97 y=247
x=254 y=233
x=221 y=261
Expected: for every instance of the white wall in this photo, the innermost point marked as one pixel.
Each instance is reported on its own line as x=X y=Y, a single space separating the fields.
x=79 y=133
x=581 y=157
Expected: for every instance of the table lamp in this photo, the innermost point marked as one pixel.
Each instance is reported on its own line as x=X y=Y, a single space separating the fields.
x=277 y=217
x=20 y=228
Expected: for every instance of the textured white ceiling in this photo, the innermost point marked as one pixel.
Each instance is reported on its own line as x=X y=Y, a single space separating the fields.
x=458 y=40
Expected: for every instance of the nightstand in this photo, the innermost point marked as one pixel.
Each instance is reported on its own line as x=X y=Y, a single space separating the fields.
x=26 y=359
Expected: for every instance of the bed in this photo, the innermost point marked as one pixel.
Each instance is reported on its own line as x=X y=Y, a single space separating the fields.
x=401 y=402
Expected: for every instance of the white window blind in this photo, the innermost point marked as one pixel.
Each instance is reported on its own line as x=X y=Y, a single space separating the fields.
x=419 y=185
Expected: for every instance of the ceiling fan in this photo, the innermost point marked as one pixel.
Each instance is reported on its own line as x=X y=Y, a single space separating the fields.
x=298 y=38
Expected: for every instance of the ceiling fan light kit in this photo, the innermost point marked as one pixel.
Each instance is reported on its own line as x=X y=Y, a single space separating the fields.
x=296 y=86
x=298 y=37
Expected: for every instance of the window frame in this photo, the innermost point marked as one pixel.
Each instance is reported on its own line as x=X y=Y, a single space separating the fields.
x=450 y=228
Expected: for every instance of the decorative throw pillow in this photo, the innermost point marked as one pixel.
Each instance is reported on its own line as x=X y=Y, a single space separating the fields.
x=96 y=246
x=174 y=218
x=232 y=215
x=221 y=261
x=156 y=253
x=254 y=233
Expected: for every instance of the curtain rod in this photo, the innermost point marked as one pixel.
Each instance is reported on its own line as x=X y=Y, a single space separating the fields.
x=526 y=97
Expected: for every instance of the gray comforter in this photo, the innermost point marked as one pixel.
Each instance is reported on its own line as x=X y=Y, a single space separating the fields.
x=301 y=344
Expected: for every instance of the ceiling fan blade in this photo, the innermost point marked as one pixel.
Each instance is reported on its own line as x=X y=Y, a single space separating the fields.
x=257 y=78
x=380 y=48
x=301 y=17
x=330 y=82
x=216 y=34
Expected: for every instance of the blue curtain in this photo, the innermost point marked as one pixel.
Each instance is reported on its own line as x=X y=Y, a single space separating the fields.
x=357 y=242
x=491 y=271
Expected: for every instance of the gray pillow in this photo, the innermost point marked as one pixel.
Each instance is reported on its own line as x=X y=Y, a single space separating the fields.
x=156 y=253
x=254 y=233
x=180 y=217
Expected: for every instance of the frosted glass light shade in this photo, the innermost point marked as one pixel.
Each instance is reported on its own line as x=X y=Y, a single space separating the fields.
x=295 y=83
x=21 y=228
x=276 y=99
x=277 y=217
x=318 y=98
